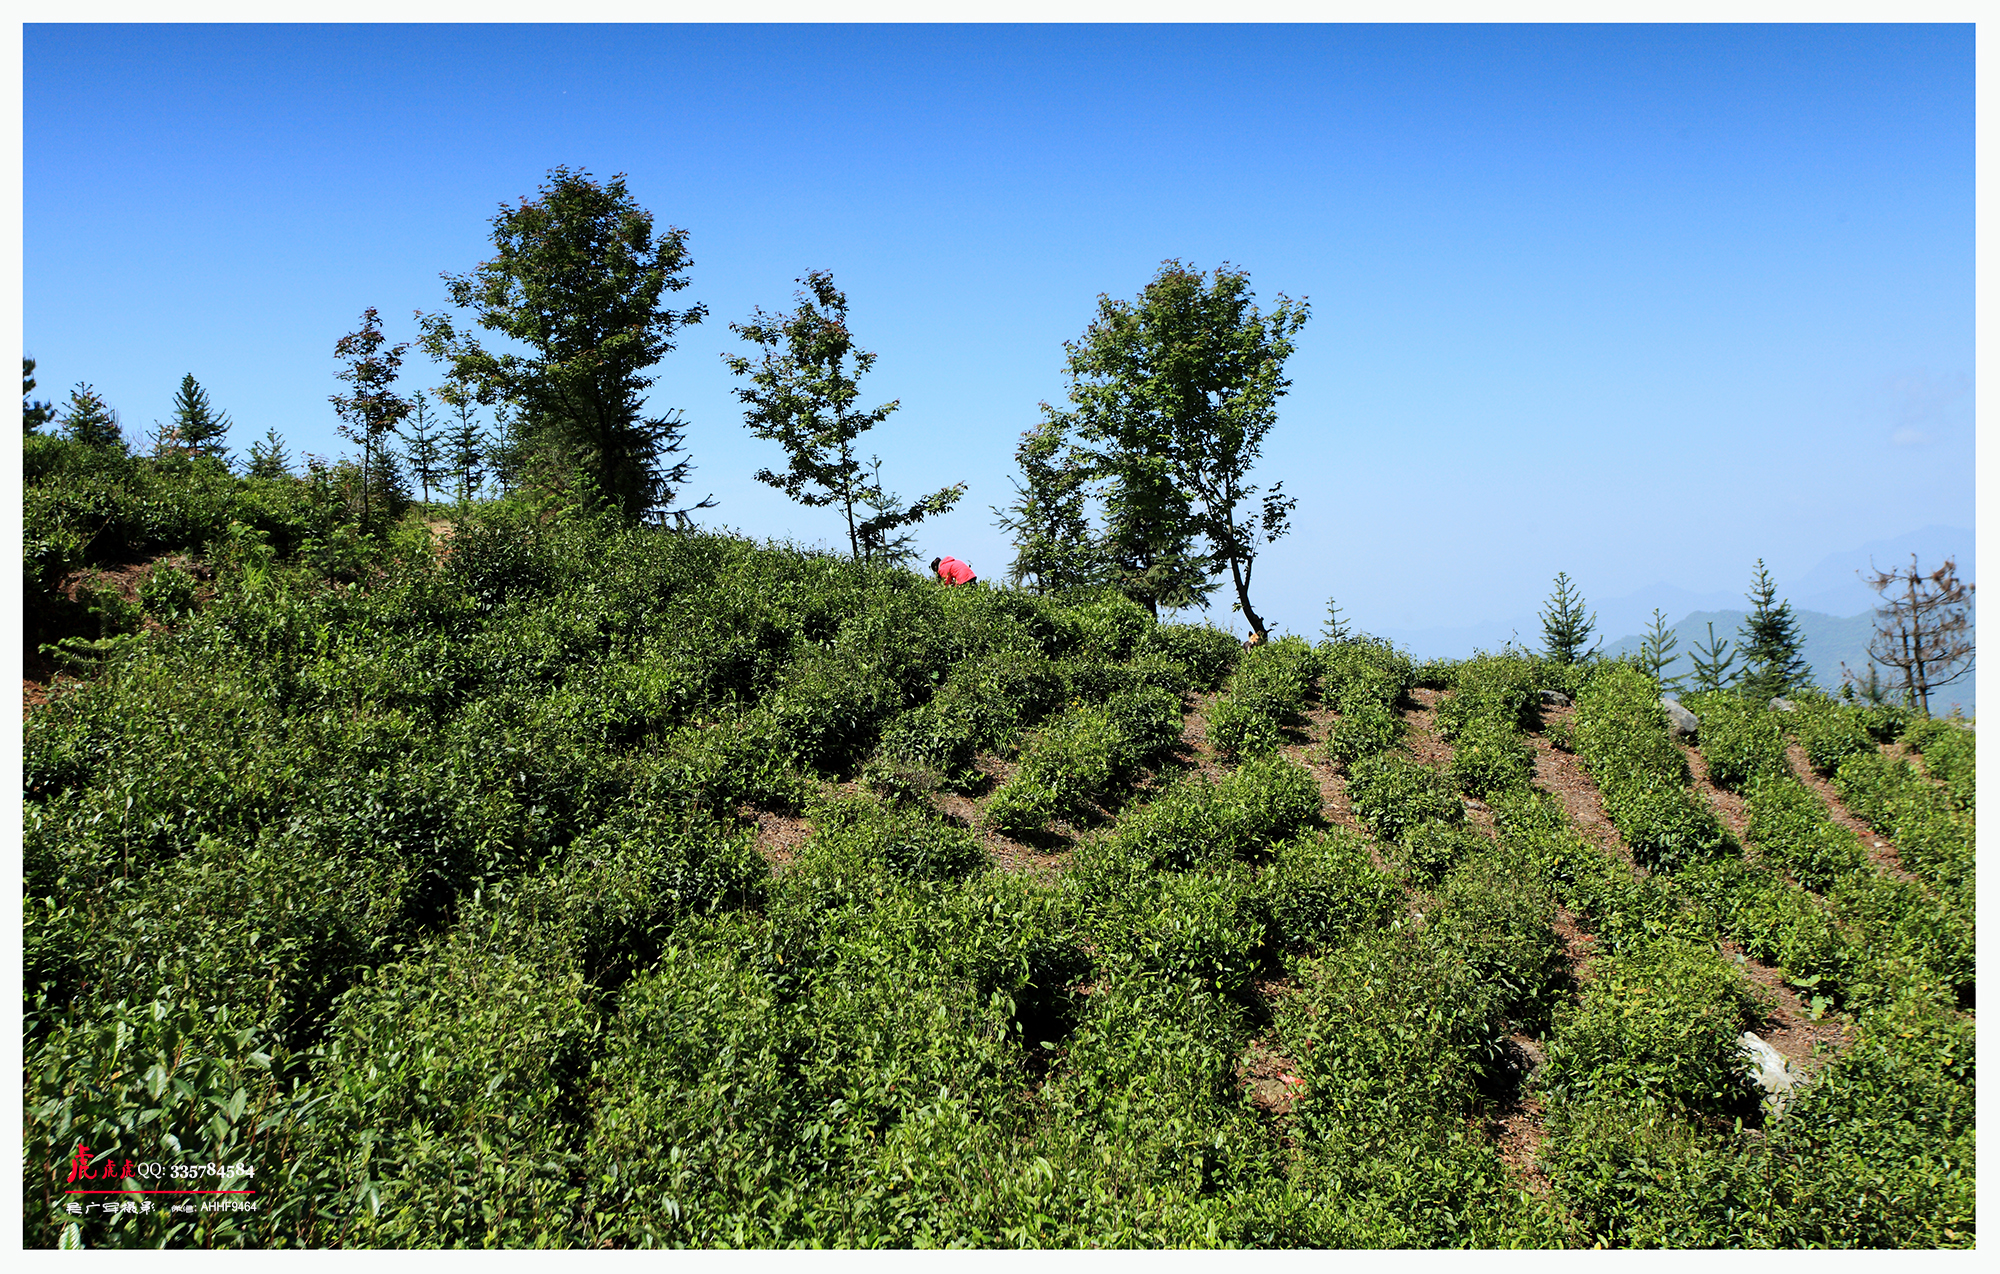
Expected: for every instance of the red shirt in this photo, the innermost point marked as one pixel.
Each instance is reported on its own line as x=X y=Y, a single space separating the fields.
x=953 y=571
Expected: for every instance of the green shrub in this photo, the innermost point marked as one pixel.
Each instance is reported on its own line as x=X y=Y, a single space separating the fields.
x=1739 y=739
x=1503 y=689
x=1430 y=848
x=1949 y=752
x=1208 y=654
x=1367 y=730
x=1658 y=1023
x=1489 y=757
x=1322 y=889
x=1393 y=793
x=1237 y=730
x=909 y=843
x=1829 y=732
x=1196 y=823
x=1789 y=828
x=1496 y=912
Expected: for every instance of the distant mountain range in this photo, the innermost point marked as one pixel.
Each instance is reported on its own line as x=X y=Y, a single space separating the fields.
x=1835 y=611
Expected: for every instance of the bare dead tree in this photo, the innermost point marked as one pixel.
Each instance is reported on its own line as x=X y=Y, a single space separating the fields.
x=1923 y=629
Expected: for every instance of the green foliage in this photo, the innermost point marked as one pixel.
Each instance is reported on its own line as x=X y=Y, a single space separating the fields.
x=1932 y=839
x=1658 y=1023
x=1829 y=731
x=1950 y=753
x=801 y=395
x=1740 y=738
x=196 y=425
x=1322 y=889
x=1196 y=823
x=1267 y=693
x=1714 y=663
x=1621 y=735
x=1171 y=397
x=576 y=278
x=88 y=422
x=1774 y=661
x=1656 y=651
x=1566 y=629
x=1488 y=757
x=1503 y=689
x=1393 y=794
x=1084 y=756
x=168 y=592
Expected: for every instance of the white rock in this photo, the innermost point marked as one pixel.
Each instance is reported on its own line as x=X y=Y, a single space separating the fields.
x=1766 y=1068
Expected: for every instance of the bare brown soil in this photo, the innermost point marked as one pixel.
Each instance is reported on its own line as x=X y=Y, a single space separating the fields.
x=1788 y=1025
x=1271 y=1080
x=1728 y=806
x=39 y=676
x=1874 y=843
x=779 y=836
x=1560 y=773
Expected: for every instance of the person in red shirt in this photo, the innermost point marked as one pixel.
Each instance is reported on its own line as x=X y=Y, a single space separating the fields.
x=952 y=571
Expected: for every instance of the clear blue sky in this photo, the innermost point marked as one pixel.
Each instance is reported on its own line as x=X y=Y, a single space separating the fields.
x=1642 y=304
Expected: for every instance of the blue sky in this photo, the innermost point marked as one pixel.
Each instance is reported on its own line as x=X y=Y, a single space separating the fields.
x=1642 y=304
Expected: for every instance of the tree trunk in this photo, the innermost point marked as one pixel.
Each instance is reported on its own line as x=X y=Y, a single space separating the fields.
x=1241 y=578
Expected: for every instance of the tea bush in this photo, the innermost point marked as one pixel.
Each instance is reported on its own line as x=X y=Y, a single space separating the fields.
x=1932 y=839
x=1268 y=692
x=1392 y=793
x=1948 y=749
x=1322 y=889
x=1657 y=1023
x=1740 y=739
x=1621 y=735
x=1488 y=757
x=1828 y=731
x=1503 y=689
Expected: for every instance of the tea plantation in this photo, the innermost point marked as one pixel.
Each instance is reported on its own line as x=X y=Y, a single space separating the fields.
x=419 y=875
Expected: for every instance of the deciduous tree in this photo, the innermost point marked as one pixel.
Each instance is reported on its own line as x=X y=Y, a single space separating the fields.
x=1923 y=629
x=1171 y=397
x=372 y=410
x=801 y=393
x=576 y=277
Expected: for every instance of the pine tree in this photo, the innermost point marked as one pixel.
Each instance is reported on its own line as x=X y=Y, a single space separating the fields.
x=33 y=414
x=423 y=447
x=89 y=421
x=1337 y=629
x=1924 y=632
x=1565 y=627
x=1656 y=651
x=196 y=426
x=267 y=458
x=1774 y=661
x=1714 y=663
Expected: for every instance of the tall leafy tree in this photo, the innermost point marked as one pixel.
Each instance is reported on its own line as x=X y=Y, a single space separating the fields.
x=1923 y=630
x=801 y=393
x=1774 y=661
x=195 y=425
x=1171 y=396
x=33 y=414
x=576 y=279
x=1567 y=625
x=371 y=410
x=1054 y=547
x=89 y=421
